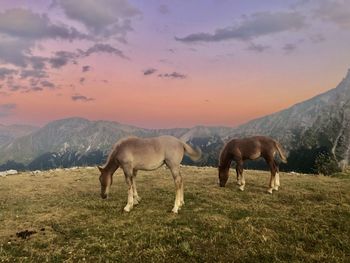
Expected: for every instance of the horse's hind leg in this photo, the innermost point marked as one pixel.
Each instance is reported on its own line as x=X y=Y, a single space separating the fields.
x=182 y=201
x=175 y=171
x=273 y=170
x=277 y=178
x=128 y=172
x=137 y=199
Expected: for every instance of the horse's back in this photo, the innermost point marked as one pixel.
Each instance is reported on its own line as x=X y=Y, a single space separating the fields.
x=251 y=147
x=148 y=153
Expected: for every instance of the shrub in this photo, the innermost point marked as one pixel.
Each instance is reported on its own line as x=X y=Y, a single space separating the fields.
x=326 y=164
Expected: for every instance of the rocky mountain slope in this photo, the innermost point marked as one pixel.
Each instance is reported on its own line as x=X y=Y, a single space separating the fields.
x=9 y=133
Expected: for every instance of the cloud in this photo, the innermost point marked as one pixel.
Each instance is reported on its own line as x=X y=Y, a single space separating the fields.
x=256 y=25
x=82 y=98
x=20 y=31
x=174 y=75
x=102 y=48
x=163 y=9
x=5 y=72
x=103 y=17
x=289 y=47
x=15 y=51
x=149 y=71
x=28 y=73
x=317 y=38
x=47 y=84
x=258 y=48
x=335 y=11
x=25 y=24
x=7 y=109
x=85 y=68
x=62 y=58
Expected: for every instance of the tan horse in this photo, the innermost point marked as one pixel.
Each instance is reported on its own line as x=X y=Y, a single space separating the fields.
x=239 y=150
x=133 y=154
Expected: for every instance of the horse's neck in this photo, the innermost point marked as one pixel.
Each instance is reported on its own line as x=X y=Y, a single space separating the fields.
x=225 y=160
x=111 y=164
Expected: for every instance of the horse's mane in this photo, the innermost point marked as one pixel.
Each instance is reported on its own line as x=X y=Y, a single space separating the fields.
x=223 y=153
x=111 y=156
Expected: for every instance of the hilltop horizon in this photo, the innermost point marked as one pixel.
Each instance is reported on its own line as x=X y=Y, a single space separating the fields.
x=174 y=127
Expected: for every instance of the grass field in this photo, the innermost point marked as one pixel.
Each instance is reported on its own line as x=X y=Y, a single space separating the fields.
x=308 y=220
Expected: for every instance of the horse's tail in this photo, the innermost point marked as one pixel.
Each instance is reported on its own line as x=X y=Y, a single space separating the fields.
x=280 y=152
x=194 y=154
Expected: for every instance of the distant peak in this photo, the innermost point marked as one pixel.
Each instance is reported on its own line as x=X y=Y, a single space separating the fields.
x=348 y=74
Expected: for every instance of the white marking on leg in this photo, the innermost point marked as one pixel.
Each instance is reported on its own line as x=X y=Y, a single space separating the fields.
x=130 y=203
x=269 y=190
x=137 y=199
x=276 y=182
x=182 y=201
x=239 y=180
x=177 y=180
x=242 y=181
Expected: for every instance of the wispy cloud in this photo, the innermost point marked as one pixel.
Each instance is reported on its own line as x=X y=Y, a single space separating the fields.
x=335 y=11
x=102 y=48
x=163 y=9
x=85 y=68
x=258 y=47
x=149 y=71
x=256 y=25
x=289 y=48
x=173 y=75
x=81 y=98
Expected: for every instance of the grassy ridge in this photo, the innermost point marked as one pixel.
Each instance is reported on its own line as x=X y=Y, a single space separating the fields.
x=307 y=220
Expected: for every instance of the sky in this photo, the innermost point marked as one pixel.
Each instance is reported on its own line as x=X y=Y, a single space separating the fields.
x=165 y=64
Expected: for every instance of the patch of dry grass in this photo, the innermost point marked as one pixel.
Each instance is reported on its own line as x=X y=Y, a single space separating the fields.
x=307 y=220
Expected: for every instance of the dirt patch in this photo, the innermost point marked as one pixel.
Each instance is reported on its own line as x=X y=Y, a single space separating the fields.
x=25 y=234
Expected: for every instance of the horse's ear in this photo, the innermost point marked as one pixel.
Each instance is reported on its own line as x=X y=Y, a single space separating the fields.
x=100 y=168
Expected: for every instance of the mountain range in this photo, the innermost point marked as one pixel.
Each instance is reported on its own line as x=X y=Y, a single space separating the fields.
x=318 y=125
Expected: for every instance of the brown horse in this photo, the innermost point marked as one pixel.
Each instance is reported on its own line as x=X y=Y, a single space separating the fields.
x=239 y=150
x=133 y=154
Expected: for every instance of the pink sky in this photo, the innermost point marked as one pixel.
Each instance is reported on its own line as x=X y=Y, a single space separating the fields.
x=215 y=62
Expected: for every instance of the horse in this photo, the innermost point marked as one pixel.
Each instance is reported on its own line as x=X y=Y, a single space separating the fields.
x=251 y=148
x=147 y=154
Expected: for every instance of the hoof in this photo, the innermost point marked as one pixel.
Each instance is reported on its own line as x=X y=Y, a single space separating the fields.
x=241 y=188
x=127 y=209
x=182 y=203
x=275 y=188
x=136 y=202
x=269 y=191
x=175 y=210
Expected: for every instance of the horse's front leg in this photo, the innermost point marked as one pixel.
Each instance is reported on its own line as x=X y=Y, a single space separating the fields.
x=239 y=179
x=128 y=180
x=137 y=199
x=240 y=175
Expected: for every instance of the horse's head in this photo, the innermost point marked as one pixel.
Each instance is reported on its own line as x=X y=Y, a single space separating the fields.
x=106 y=180
x=223 y=176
